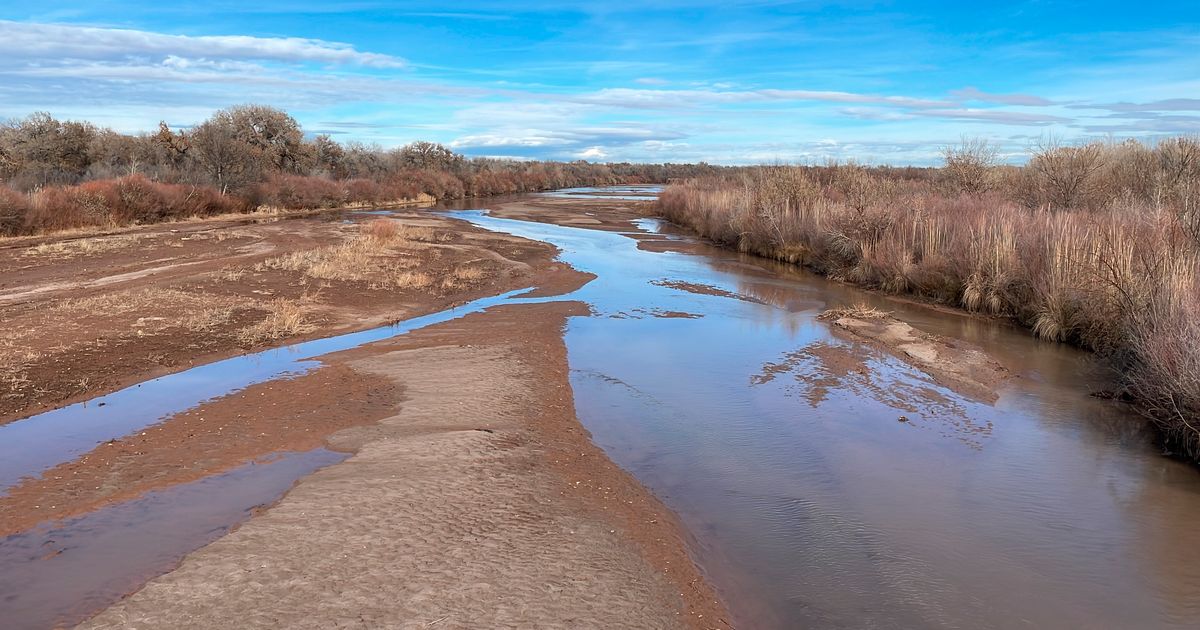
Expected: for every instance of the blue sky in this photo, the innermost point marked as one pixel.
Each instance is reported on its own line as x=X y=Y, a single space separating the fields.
x=656 y=80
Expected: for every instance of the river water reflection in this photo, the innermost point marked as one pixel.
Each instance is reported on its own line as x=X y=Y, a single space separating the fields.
x=707 y=375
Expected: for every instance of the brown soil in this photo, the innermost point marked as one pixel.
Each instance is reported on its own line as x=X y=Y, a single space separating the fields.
x=85 y=316
x=705 y=289
x=597 y=214
x=285 y=415
x=482 y=501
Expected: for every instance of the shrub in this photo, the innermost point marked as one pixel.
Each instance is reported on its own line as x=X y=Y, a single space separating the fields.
x=1108 y=266
x=14 y=207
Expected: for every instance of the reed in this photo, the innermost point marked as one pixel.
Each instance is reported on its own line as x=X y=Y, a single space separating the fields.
x=1092 y=245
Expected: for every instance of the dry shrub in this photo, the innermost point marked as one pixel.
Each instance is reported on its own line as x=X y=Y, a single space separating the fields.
x=14 y=207
x=1163 y=365
x=970 y=166
x=360 y=259
x=84 y=246
x=284 y=318
x=857 y=311
x=465 y=275
x=1107 y=266
x=294 y=192
x=381 y=229
x=113 y=202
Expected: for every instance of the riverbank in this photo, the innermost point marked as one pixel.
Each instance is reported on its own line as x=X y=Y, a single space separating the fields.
x=466 y=458
x=482 y=502
x=86 y=316
x=1117 y=274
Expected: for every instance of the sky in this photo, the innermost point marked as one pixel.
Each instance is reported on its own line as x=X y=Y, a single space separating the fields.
x=728 y=82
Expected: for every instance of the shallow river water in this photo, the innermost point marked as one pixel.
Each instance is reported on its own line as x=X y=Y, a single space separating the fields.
x=707 y=375
x=814 y=507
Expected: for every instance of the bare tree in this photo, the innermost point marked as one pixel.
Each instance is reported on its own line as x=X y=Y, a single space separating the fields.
x=40 y=150
x=429 y=155
x=228 y=162
x=1067 y=175
x=275 y=134
x=971 y=165
x=329 y=156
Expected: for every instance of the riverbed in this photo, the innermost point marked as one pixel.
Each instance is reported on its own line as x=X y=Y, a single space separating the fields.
x=825 y=482
x=779 y=444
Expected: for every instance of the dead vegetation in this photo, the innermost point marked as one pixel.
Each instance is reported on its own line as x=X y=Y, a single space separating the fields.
x=384 y=254
x=857 y=311
x=285 y=318
x=117 y=304
x=83 y=246
x=1096 y=245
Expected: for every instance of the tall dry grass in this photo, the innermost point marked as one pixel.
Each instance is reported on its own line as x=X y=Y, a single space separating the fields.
x=379 y=255
x=1095 y=245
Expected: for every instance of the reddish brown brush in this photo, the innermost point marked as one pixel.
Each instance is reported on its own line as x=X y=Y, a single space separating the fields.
x=1062 y=247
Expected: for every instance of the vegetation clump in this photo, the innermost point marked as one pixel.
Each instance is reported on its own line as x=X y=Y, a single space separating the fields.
x=57 y=175
x=1096 y=245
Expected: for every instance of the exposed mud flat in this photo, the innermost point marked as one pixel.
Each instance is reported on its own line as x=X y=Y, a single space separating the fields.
x=286 y=415
x=956 y=364
x=86 y=315
x=480 y=503
x=501 y=484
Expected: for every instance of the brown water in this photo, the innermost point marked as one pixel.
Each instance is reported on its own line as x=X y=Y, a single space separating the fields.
x=815 y=508
x=61 y=573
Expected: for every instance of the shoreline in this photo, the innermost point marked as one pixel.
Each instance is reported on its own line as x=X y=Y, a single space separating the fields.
x=634 y=535
x=530 y=468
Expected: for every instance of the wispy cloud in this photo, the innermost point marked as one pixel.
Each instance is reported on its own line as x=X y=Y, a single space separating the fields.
x=1166 y=105
x=658 y=80
x=59 y=41
x=975 y=94
x=993 y=116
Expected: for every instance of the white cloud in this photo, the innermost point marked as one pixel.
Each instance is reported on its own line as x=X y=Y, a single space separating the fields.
x=59 y=41
x=975 y=94
x=1001 y=117
x=673 y=99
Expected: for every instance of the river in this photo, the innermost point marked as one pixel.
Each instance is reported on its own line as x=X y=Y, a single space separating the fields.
x=815 y=508
x=707 y=375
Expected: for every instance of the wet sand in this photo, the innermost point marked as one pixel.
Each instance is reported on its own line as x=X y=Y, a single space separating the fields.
x=481 y=503
x=471 y=497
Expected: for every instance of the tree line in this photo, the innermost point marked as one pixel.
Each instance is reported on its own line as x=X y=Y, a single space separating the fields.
x=65 y=173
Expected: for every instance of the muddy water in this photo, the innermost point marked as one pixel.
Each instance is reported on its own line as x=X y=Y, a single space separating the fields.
x=32 y=445
x=62 y=573
x=708 y=376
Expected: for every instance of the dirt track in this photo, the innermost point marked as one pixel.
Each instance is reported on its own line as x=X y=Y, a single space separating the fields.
x=474 y=498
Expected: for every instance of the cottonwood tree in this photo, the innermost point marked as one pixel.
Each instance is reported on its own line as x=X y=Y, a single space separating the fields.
x=40 y=150
x=329 y=156
x=223 y=155
x=276 y=135
x=366 y=161
x=429 y=155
